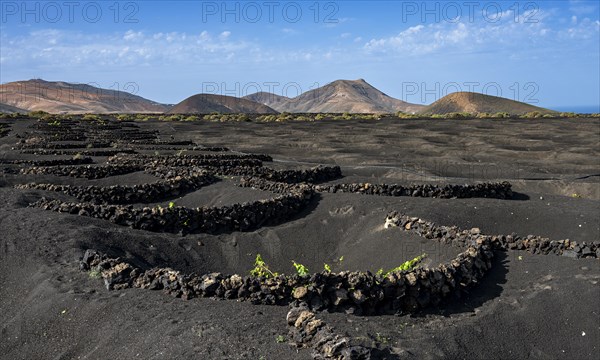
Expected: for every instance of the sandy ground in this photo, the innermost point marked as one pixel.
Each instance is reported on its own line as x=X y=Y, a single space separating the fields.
x=529 y=306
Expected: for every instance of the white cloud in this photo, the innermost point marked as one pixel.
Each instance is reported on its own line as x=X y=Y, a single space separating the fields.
x=584 y=30
x=415 y=40
x=125 y=49
x=68 y=50
x=131 y=35
x=509 y=34
x=204 y=36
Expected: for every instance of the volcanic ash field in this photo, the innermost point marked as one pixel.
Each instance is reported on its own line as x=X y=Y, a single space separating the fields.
x=353 y=239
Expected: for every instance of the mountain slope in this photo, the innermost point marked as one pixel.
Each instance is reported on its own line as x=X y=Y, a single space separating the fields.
x=63 y=97
x=7 y=109
x=273 y=101
x=209 y=103
x=352 y=96
x=479 y=103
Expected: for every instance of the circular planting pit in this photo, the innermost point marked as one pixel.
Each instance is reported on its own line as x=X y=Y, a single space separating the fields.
x=119 y=194
x=221 y=193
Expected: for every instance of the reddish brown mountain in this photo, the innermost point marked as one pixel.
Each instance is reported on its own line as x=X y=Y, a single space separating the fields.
x=473 y=103
x=351 y=96
x=62 y=97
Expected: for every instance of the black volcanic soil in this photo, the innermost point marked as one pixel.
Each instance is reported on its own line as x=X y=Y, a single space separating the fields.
x=528 y=306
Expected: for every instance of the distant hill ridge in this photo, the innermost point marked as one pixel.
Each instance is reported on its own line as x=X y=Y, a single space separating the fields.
x=340 y=96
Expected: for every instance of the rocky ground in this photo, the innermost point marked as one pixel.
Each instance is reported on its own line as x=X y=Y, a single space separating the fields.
x=134 y=193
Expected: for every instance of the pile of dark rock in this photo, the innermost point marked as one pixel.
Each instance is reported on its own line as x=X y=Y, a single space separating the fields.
x=172 y=145
x=204 y=160
x=163 y=147
x=163 y=142
x=485 y=190
x=264 y=178
x=120 y=194
x=457 y=237
x=88 y=171
x=78 y=153
x=237 y=217
x=51 y=162
x=261 y=157
x=60 y=146
x=501 y=191
x=363 y=293
x=186 y=159
x=275 y=187
x=313 y=175
x=215 y=149
x=209 y=163
x=167 y=172
x=307 y=331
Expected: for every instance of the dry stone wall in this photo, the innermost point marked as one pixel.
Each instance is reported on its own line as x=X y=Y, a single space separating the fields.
x=486 y=190
x=457 y=237
x=88 y=172
x=119 y=194
x=237 y=217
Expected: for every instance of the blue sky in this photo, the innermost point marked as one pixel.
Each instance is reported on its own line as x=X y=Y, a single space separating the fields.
x=543 y=52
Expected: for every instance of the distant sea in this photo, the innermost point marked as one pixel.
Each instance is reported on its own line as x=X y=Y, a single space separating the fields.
x=592 y=109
